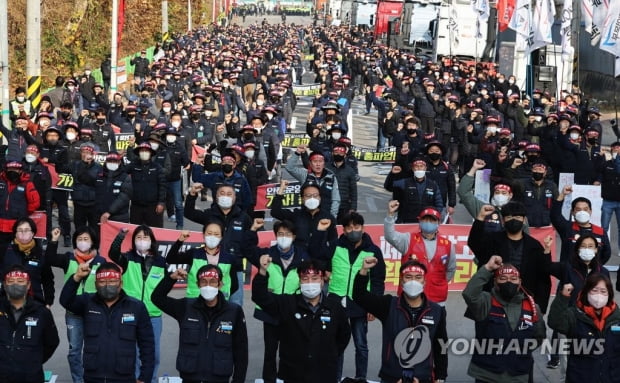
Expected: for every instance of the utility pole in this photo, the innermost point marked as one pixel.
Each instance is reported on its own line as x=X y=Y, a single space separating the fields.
x=4 y=61
x=189 y=15
x=33 y=51
x=113 y=47
x=164 y=20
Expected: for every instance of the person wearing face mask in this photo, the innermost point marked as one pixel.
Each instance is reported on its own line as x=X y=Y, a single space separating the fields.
x=112 y=354
x=255 y=169
x=19 y=198
x=506 y=313
x=344 y=258
x=213 y=339
x=128 y=120
x=434 y=251
x=415 y=192
x=412 y=307
x=113 y=190
x=85 y=250
x=148 y=200
x=583 y=154
x=306 y=218
x=143 y=269
x=226 y=175
x=209 y=253
x=593 y=318
x=569 y=231
x=31 y=346
x=347 y=181
x=40 y=176
x=85 y=173
x=179 y=160
x=27 y=251
x=609 y=177
x=283 y=279
x=532 y=258
x=18 y=139
x=307 y=315
x=441 y=172
x=103 y=135
x=20 y=106
x=538 y=192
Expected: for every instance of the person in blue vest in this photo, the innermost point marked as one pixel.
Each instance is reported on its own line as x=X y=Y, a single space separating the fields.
x=85 y=251
x=314 y=329
x=111 y=355
x=211 y=252
x=143 y=269
x=411 y=312
x=508 y=322
x=213 y=338
x=283 y=279
x=594 y=320
x=28 y=334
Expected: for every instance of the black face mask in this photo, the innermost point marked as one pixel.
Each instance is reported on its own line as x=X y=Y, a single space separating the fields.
x=513 y=226
x=538 y=176
x=227 y=168
x=434 y=156
x=131 y=115
x=592 y=141
x=504 y=141
x=195 y=116
x=66 y=114
x=101 y=121
x=531 y=159
x=248 y=137
x=13 y=176
x=411 y=132
x=507 y=290
x=108 y=292
x=338 y=158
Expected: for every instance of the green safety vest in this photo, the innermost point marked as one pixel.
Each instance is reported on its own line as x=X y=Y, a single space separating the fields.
x=193 y=290
x=343 y=272
x=136 y=287
x=278 y=284
x=87 y=285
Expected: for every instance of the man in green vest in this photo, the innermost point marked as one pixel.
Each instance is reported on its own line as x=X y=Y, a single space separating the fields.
x=348 y=254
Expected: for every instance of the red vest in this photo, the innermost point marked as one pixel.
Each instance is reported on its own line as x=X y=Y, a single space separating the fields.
x=436 y=286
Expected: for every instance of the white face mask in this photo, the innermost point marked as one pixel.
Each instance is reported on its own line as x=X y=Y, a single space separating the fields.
x=284 y=242
x=312 y=203
x=511 y=82
x=492 y=129
x=501 y=80
x=83 y=246
x=112 y=166
x=212 y=241
x=20 y=98
x=249 y=154
x=538 y=118
x=582 y=216
x=225 y=202
x=30 y=158
x=154 y=145
x=175 y=124
x=413 y=288
x=208 y=293
x=310 y=290
x=574 y=136
x=587 y=254
x=143 y=244
x=166 y=110
x=171 y=138
x=71 y=136
x=260 y=102
x=208 y=113
x=144 y=156
x=87 y=73
x=598 y=301
x=336 y=136
x=269 y=115
x=500 y=200
x=419 y=173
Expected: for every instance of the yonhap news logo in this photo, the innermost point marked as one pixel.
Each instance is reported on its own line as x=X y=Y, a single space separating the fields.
x=490 y=346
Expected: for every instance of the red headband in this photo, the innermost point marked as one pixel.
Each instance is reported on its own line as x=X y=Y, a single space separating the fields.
x=209 y=274
x=503 y=187
x=507 y=271
x=311 y=271
x=17 y=274
x=413 y=269
x=108 y=275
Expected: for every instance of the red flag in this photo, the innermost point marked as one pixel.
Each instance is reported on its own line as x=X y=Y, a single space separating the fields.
x=120 y=23
x=505 y=9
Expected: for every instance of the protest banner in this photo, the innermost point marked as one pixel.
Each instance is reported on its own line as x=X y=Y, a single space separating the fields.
x=123 y=141
x=266 y=193
x=306 y=90
x=373 y=155
x=458 y=234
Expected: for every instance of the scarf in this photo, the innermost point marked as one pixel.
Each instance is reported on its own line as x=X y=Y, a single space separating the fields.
x=599 y=320
x=25 y=248
x=82 y=257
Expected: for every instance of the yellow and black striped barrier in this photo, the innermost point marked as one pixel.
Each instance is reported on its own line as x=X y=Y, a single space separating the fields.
x=165 y=37
x=34 y=90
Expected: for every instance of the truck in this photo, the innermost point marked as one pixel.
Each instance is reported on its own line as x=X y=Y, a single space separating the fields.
x=364 y=12
x=388 y=11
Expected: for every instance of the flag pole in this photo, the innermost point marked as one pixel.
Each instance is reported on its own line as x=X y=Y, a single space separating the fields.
x=114 y=47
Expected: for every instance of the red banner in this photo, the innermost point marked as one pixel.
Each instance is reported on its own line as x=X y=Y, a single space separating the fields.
x=458 y=234
x=40 y=220
x=505 y=9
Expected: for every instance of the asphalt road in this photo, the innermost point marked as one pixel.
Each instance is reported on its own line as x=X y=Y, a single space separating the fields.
x=372 y=204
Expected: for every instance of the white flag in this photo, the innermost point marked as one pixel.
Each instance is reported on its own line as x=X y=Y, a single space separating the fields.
x=453 y=27
x=599 y=13
x=521 y=20
x=544 y=13
x=586 y=14
x=566 y=30
x=481 y=8
x=610 y=31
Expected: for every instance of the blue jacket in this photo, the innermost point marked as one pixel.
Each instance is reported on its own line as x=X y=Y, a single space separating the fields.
x=213 y=180
x=111 y=335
